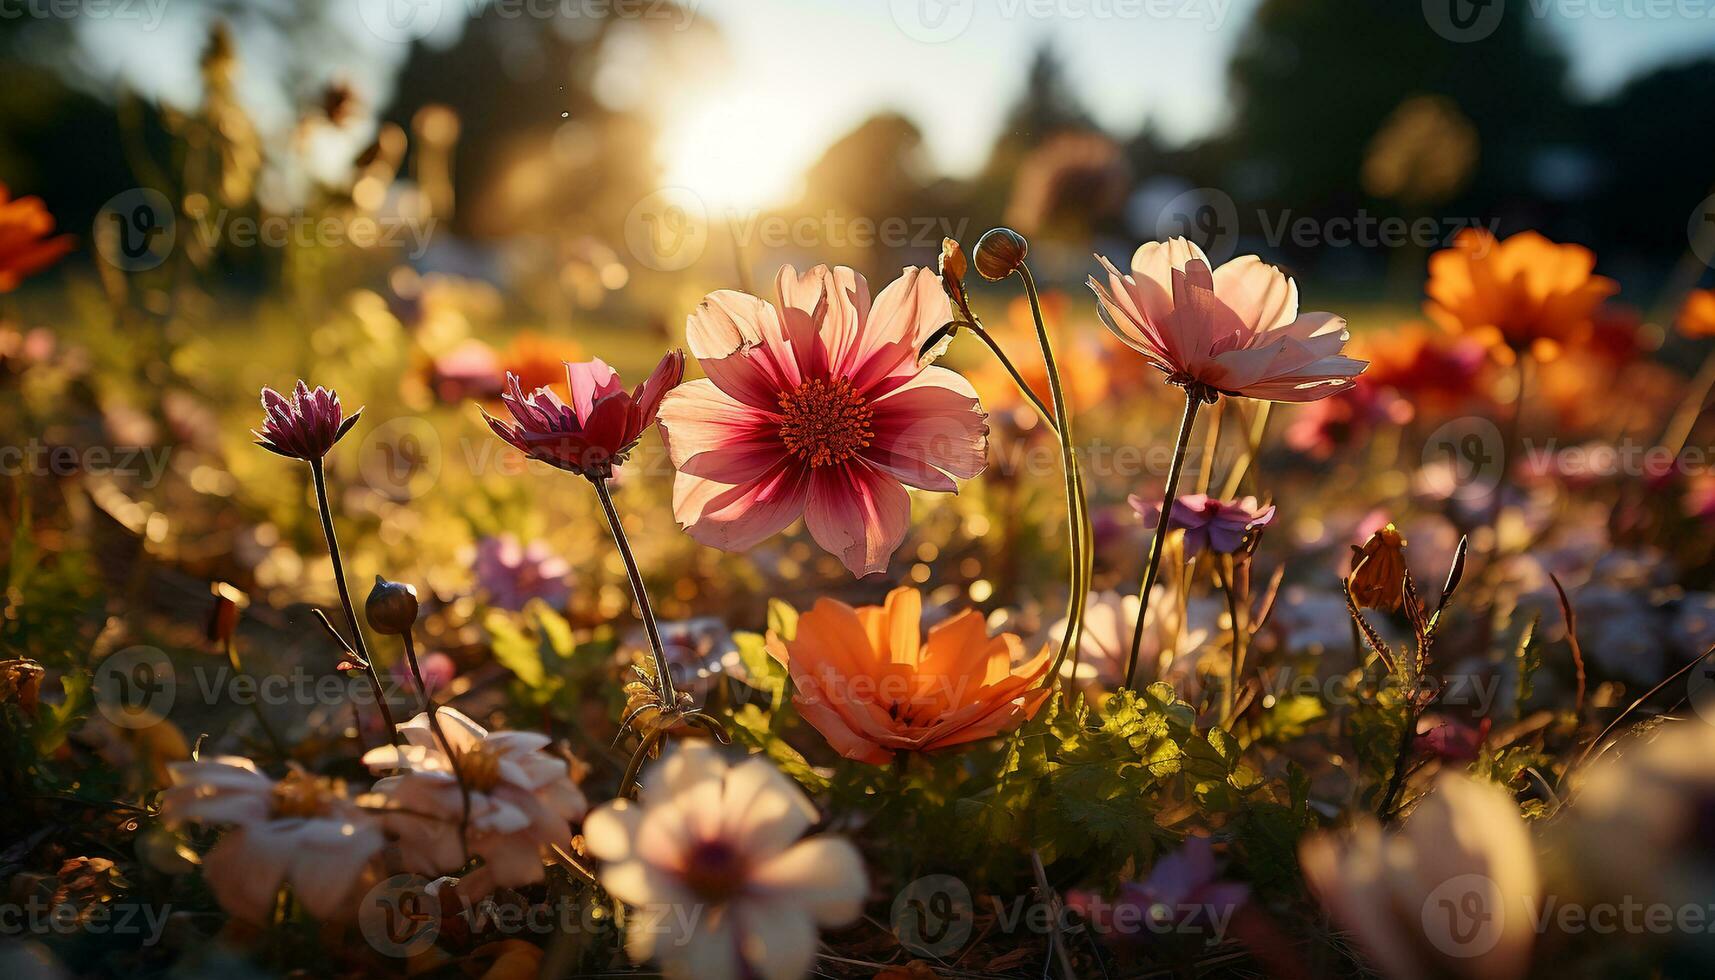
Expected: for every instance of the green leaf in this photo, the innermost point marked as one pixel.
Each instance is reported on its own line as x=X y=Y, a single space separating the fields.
x=1528 y=655
x=514 y=649
x=1291 y=717
x=754 y=728
x=782 y=620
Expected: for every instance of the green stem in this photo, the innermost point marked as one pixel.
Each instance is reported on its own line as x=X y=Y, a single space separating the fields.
x=1075 y=508
x=358 y=645
x=663 y=674
x=1152 y=564
x=432 y=709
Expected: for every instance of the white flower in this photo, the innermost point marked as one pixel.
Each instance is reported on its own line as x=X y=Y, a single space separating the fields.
x=710 y=859
x=1104 y=647
x=1452 y=893
x=521 y=799
x=302 y=831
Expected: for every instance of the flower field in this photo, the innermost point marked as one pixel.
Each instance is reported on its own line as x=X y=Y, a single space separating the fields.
x=1037 y=599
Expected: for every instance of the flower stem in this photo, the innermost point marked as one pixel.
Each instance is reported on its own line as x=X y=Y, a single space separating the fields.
x=358 y=646
x=1076 y=511
x=664 y=675
x=1152 y=564
x=432 y=709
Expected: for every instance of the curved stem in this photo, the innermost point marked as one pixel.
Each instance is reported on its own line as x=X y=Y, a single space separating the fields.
x=358 y=646
x=432 y=709
x=1024 y=388
x=663 y=674
x=1075 y=511
x=1152 y=564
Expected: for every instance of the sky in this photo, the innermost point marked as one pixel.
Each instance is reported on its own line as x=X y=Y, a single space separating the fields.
x=804 y=72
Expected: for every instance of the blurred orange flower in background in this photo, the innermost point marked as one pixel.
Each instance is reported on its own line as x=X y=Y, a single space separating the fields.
x=1697 y=316
x=25 y=247
x=1426 y=366
x=868 y=681
x=1524 y=294
x=1083 y=371
x=539 y=360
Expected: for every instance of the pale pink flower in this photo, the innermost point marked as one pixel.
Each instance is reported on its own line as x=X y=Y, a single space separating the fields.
x=521 y=798
x=1104 y=646
x=819 y=408
x=711 y=861
x=1451 y=893
x=1221 y=526
x=301 y=831
x=512 y=573
x=1233 y=331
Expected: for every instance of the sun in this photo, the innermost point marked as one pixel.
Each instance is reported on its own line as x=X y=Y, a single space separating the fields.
x=734 y=153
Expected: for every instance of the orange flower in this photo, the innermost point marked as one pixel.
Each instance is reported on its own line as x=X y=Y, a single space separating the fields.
x=1083 y=367
x=1523 y=294
x=25 y=247
x=1697 y=316
x=539 y=360
x=868 y=682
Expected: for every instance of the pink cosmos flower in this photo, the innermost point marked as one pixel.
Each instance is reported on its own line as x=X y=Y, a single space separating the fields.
x=301 y=831
x=1184 y=892
x=601 y=425
x=1209 y=524
x=521 y=799
x=1235 y=331
x=304 y=426
x=819 y=408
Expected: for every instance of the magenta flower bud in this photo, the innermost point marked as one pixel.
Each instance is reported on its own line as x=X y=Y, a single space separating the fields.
x=599 y=427
x=305 y=426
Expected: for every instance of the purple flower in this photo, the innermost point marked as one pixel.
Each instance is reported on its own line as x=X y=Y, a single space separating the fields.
x=1183 y=892
x=1221 y=526
x=305 y=426
x=512 y=573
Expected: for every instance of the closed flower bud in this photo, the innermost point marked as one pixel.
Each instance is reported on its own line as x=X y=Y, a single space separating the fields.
x=1378 y=571
x=391 y=607
x=1000 y=252
x=953 y=268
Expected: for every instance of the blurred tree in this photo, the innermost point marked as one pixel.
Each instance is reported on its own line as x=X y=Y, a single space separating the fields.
x=1312 y=82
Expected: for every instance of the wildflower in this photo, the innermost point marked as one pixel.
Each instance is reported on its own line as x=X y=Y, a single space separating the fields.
x=1451 y=739
x=598 y=429
x=1321 y=428
x=306 y=426
x=1234 y=331
x=25 y=245
x=1697 y=316
x=470 y=370
x=521 y=799
x=1377 y=580
x=819 y=408
x=1452 y=892
x=1640 y=819
x=1524 y=294
x=438 y=671
x=1109 y=619
x=1220 y=526
x=511 y=573
x=953 y=267
x=710 y=857
x=872 y=686
x=1182 y=893
x=302 y=831
x=1429 y=369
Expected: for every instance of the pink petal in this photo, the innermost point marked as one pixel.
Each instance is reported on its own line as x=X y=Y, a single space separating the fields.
x=734 y=518
x=932 y=424
x=1261 y=295
x=859 y=514
x=709 y=434
x=588 y=381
